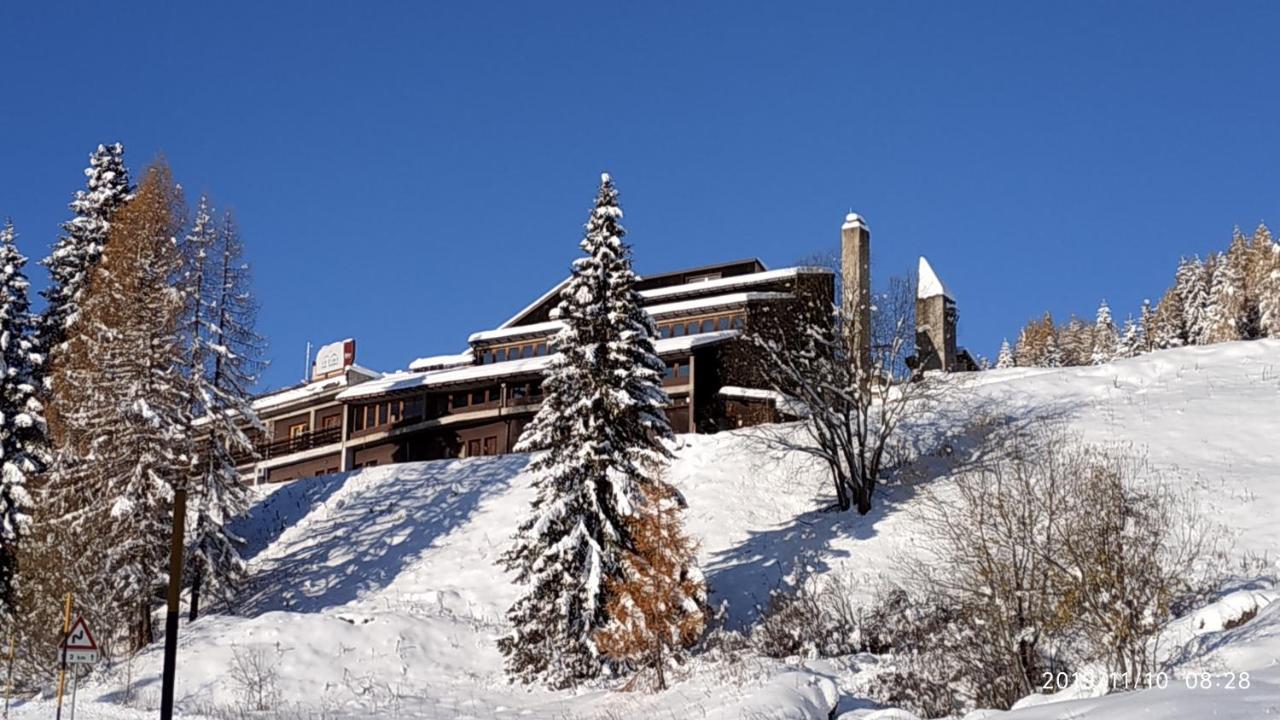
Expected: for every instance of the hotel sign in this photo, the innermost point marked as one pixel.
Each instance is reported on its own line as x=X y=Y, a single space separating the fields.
x=333 y=358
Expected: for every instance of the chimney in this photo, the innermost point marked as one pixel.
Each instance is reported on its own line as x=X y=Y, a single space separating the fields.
x=935 y=322
x=855 y=275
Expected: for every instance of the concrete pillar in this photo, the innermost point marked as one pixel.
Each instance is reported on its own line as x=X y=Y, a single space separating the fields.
x=855 y=276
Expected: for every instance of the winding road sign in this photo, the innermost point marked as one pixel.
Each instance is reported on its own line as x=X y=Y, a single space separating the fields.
x=79 y=647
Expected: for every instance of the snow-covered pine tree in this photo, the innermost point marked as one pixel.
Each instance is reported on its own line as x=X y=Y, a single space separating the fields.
x=225 y=359
x=1075 y=341
x=1005 y=358
x=126 y=410
x=77 y=252
x=1104 y=337
x=1267 y=274
x=1052 y=354
x=1192 y=284
x=657 y=608
x=1226 y=314
x=1131 y=339
x=23 y=446
x=1168 y=328
x=601 y=426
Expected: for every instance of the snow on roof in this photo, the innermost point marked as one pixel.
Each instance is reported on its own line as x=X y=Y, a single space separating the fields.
x=438 y=362
x=655 y=311
x=697 y=288
x=736 y=281
x=784 y=403
x=928 y=284
x=853 y=220
x=435 y=378
x=289 y=396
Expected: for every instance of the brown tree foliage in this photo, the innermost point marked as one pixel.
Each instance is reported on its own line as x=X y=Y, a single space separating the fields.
x=657 y=610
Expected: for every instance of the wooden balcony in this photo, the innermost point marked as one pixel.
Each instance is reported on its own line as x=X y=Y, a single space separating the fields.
x=297 y=443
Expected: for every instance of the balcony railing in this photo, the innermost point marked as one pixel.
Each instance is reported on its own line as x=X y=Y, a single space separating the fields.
x=299 y=443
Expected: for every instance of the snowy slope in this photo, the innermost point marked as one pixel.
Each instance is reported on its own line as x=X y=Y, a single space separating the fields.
x=376 y=594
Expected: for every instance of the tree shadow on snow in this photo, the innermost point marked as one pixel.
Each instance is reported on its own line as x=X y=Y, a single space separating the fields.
x=282 y=509
x=364 y=538
x=954 y=440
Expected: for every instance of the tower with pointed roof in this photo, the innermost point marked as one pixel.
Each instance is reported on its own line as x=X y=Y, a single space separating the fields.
x=935 y=323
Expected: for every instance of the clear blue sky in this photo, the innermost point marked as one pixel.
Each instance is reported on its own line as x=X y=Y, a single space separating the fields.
x=407 y=173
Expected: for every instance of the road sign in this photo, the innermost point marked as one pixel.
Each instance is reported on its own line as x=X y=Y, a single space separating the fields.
x=79 y=647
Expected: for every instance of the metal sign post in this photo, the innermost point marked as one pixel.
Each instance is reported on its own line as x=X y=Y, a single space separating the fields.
x=62 y=670
x=78 y=648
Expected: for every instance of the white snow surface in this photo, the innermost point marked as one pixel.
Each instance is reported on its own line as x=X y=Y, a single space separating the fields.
x=375 y=593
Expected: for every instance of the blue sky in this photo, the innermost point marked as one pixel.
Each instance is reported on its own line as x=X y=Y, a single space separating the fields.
x=407 y=173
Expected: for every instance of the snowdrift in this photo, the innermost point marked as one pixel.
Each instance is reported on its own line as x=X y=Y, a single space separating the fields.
x=376 y=593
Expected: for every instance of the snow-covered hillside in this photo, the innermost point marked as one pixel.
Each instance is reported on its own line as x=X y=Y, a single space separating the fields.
x=376 y=594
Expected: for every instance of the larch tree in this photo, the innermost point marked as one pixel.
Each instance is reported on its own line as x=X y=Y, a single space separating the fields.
x=1168 y=327
x=658 y=607
x=1145 y=320
x=79 y=249
x=601 y=427
x=1104 y=337
x=1005 y=358
x=124 y=406
x=1075 y=341
x=23 y=444
x=225 y=357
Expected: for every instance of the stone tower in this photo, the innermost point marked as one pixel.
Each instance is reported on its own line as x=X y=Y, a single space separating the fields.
x=935 y=322
x=855 y=276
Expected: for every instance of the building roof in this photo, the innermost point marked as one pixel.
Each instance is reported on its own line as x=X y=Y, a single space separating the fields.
x=440 y=362
x=684 y=307
x=526 y=366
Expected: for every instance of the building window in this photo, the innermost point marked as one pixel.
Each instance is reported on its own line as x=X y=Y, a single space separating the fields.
x=297 y=430
x=722 y=323
x=330 y=422
x=413 y=407
x=708 y=325
x=682 y=370
x=677 y=330
x=664 y=331
x=473 y=448
x=459 y=400
x=540 y=349
x=491 y=445
x=737 y=322
x=487 y=357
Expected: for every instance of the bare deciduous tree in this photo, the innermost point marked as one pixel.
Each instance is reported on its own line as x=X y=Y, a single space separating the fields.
x=851 y=412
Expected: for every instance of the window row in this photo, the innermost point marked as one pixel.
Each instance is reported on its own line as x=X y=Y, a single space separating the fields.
x=387 y=412
x=694 y=327
x=513 y=352
x=677 y=370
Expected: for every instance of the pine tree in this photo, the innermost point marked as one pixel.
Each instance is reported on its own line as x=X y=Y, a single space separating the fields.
x=601 y=426
x=23 y=445
x=225 y=357
x=1267 y=272
x=1131 y=340
x=1005 y=358
x=657 y=608
x=123 y=403
x=78 y=251
x=1052 y=354
x=1226 y=314
x=1192 y=284
x=1104 y=337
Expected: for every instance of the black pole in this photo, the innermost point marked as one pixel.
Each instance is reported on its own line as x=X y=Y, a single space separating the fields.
x=171 y=616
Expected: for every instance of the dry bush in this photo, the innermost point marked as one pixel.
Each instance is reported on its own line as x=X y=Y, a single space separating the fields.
x=1055 y=555
x=253 y=674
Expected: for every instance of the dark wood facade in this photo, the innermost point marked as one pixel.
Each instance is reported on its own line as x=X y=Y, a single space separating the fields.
x=701 y=316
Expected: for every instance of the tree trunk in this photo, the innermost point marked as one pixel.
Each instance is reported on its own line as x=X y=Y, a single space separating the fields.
x=197 y=575
x=657 y=666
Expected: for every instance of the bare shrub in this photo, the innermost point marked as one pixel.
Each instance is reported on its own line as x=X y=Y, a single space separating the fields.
x=253 y=673
x=1056 y=554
